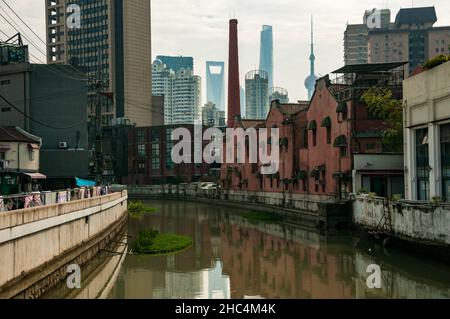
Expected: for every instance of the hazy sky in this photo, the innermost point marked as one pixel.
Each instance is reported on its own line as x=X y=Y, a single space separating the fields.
x=199 y=28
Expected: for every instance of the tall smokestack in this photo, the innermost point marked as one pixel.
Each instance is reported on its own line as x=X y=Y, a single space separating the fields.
x=234 y=99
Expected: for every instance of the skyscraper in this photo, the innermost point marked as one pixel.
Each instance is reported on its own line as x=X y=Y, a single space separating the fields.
x=266 y=52
x=257 y=94
x=215 y=83
x=310 y=82
x=113 y=44
x=181 y=91
x=279 y=94
x=234 y=96
x=177 y=63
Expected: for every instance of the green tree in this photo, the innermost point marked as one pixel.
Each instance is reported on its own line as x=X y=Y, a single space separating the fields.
x=382 y=103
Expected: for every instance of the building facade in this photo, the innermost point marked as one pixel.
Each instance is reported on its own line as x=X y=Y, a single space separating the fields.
x=215 y=83
x=335 y=123
x=411 y=37
x=427 y=134
x=266 y=52
x=257 y=94
x=280 y=94
x=49 y=102
x=181 y=91
x=212 y=116
x=112 y=44
x=19 y=161
x=150 y=157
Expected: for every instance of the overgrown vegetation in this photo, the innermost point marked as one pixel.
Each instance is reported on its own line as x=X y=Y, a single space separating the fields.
x=381 y=103
x=139 y=209
x=262 y=216
x=153 y=243
x=436 y=61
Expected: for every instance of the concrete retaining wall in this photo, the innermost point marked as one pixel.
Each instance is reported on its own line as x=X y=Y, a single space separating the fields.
x=415 y=221
x=32 y=239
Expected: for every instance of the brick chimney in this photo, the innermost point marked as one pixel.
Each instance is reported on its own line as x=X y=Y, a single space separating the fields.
x=234 y=93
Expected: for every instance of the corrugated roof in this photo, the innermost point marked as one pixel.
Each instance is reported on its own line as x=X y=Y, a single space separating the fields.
x=416 y=16
x=12 y=134
x=369 y=68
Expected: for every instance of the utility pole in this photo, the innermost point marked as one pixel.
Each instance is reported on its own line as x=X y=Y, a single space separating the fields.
x=96 y=86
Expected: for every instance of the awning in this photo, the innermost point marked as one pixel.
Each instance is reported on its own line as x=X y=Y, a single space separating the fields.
x=36 y=176
x=340 y=141
x=342 y=107
x=84 y=183
x=5 y=147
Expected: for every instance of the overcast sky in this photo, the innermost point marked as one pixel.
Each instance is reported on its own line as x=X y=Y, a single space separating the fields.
x=199 y=28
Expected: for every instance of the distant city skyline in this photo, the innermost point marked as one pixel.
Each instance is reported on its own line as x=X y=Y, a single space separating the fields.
x=199 y=28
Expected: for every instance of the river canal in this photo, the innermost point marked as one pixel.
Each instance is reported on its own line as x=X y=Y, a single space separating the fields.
x=236 y=258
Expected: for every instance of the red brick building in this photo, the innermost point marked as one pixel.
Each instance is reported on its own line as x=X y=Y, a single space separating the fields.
x=150 y=161
x=331 y=146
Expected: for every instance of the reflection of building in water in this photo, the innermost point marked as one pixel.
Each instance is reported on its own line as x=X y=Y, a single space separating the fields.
x=270 y=266
x=204 y=284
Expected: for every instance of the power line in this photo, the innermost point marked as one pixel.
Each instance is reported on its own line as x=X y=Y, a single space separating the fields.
x=42 y=123
x=23 y=22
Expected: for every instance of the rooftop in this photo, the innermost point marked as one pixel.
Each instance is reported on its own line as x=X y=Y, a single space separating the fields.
x=15 y=134
x=416 y=16
x=369 y=68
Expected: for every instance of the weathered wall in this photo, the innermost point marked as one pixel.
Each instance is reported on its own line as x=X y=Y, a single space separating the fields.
x=33 y=237
x=423 y=222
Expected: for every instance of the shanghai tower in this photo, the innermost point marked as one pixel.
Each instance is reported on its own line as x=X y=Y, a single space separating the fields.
x=266 y=53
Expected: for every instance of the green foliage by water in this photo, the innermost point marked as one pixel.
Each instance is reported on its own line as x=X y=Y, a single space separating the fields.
x=138 y=209
x=151 y=242
x=262 y=216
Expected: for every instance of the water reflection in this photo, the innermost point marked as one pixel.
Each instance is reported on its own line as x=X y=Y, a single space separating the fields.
x=235 y=258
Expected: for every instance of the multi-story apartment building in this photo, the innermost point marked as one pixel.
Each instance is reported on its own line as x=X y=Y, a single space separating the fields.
x=279 y=94
x=181 y=91
x=257 y=94
x=177 y=63
x=112 y=42
x=212 y=116
x=411 y=37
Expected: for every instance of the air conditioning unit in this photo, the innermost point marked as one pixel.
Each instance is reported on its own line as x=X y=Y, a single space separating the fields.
x=4 y=164
x=63 y=145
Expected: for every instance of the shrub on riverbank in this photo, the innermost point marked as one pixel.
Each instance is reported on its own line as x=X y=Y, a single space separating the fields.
x=139 y=209
x=262 y=216
x=153 y=243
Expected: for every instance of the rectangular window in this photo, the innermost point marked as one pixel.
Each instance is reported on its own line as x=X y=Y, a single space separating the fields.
x=5 y=82
x=445 y=161
x=141 y=150
x=155 y=150
x=422 y=164
x=328 y=135
x=141 y=137
x=155 y=163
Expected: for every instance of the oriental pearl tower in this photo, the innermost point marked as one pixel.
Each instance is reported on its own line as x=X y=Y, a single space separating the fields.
x=310 y=82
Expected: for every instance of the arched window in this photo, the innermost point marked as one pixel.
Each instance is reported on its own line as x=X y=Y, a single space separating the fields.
x=313 y=127
x=327 y=124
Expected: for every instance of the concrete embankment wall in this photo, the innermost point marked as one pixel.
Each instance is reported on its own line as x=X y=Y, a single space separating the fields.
x=419 y=222
x=321 y=212
x=36 y=242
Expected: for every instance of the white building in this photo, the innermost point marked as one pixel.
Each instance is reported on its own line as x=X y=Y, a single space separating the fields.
x=181 y=91
x=427 y=134
x=212 y=116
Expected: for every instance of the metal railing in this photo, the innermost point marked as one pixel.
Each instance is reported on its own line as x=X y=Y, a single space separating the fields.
x=34 y=199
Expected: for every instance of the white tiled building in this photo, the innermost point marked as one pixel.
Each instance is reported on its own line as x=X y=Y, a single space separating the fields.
x=181 y=91
x=427 y=134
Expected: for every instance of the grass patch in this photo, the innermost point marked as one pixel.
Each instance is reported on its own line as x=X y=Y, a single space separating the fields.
x=262 y=216
x=153 y=243
x=138 y=209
